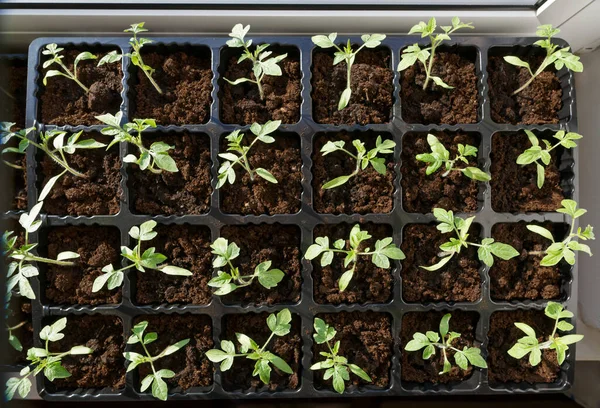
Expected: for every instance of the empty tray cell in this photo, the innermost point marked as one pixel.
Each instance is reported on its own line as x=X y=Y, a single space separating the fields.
x=97 y=247
x=523 y=277
x=277 y=243
x=104 y=369
x=371 y=81
x=514 y=186
x=365 y=340
x=457 y=281
x=185 y=246
x=366 y=192
x=457 y=66
x=240 y=377
x=63 y=102
x=416 y=370
x=242 y=104
x=255 y=195
x=369 y=284
x=191 y=367
x=453 y=191
x=184 y=75
x=97 y=193
x=185 y=192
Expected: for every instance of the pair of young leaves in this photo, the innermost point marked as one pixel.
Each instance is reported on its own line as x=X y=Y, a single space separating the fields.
x=531 y=345
x=279 y=324
x=430 y=341
x=43 y=360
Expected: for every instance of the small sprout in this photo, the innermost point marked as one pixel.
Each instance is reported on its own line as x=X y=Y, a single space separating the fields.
x=536 y=153
x=431 y=340
x=22 y=268
x=53 y=51
x=362 y=157
x=149 y=259
x=412 y=53
x=441 y=156
x=336 y=366
x=559 y=57
x=261 y=63
x=136 y=56
x=44 y=360
x=12 y=339
x=227 y=282
x=348 y=56
x=558 y=251
x=56 y=152
x=380 y=256
x=227 y=171
x=156 y=159
x=159 y=386
x=460 y=227
x=279 y=325
x=531 y=345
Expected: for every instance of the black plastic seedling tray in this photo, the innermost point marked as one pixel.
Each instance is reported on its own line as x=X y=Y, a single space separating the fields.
x=306 y=219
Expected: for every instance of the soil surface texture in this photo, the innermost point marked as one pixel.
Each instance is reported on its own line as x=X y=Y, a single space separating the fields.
x=288 y=347
x=97 y=247
x=277 y=243
x=414 y=367
x=63 y=102
x=190 y=365
x=539 y=103
x=371 y=81
x=523 y=277
x=369 y=283
x=259 y=196
x=367 y=192
x=457 y=281
x=98 y=193
x=185 y=81
x=514 y=187
x=436 y=104
x=181 y=193
x=105 y=367
x=504 y=334
x=185 y=246
x=242 y=104
x=365 y=340
x=422 y=193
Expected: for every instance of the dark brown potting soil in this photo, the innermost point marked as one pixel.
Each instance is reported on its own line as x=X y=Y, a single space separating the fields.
x=241 y=104
x=97 y=247
x=369 y=283
x=185 y=81
x=190 y=365
x=17 y=312
x=539 y=103
x=288 y=347
x=365 y=340
x=504 y=334
x=185 y=246
x=277 y=243
x=436 y=104
x=367 y=192
x=63 y=102
x=98 y=193
x=514 y=187
x=371 y=83
x=523 y=277
x=259 y=196
x=184 y=192
x=105 y=367
x=421 y=192
x=457 y=281
x=414 y=367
